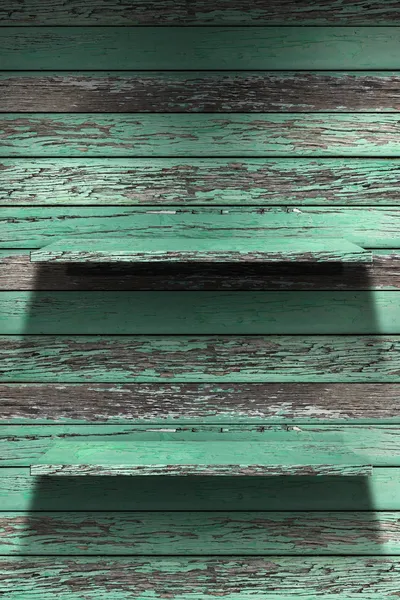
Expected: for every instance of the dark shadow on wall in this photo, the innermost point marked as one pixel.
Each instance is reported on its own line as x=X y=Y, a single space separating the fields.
x=152 y=515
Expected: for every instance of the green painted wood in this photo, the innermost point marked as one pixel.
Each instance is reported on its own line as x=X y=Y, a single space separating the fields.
x=26 y=445
x=215 y=48
x=18 y=273
x=187 y=91
x=208 y=359
x=201 y=313
x=198 y=135
x=170 y=404
x=200 y=533
x=181 y=181
x=373 y=227
x=199 y=12
x=277 y=578
x=202 y=250
x=23 y=492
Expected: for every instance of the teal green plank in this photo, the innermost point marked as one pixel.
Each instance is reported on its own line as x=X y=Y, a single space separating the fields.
x=372 y=227
x=179 y=250
x=199 y=533
x=208 y=359
x=27 y=445
x=239 y=313
x=200 y=135
x=182 y=578
x=23 y=492
x=195 y=48
x=181 y=181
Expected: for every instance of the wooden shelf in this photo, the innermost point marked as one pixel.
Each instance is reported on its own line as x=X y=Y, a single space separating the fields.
x=232 y=250
x=231 y=458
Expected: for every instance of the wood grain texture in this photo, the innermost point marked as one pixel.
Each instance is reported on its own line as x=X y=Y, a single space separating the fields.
x=198 y=359
x=19 y=491
x=278 y=578
x=173 y=404
x=199 y=313
x=199 y=470
x=199 y=12
x=248 y=181
x=199 y=48
x=200 y=135
x=186 y=91
x=27 y=445
x=18 y=273
x=199 y=251
x=200 y=533
x=372 y=227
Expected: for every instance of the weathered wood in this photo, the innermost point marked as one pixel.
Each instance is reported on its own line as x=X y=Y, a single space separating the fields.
x=208 y=359
x=197 y=48
x=199 y=12
x=373 y=227
x=248 y=181
x=198 y=135
x=337 y=250
x=200 y=533
x=26 y=445
x=199 y=403
x=185 y=470
x=278 y=578
x=18 y=273
x=178 y=578
x=170 y=91
x=23 y=492
x=201 y=313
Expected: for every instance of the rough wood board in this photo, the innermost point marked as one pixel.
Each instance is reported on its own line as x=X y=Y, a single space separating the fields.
x=199 y=48
x=200 y=313
x=187 y=470
x=182 y=181
x=178 y=404
x=372 y=227
x=199 y=12
x=200 y=533
x=337 y=250
x=18 y=273
x=200 y=135
x=197 y=359
x=19 y=491
x=253 y=578
x=25 y=445
x=185 y=91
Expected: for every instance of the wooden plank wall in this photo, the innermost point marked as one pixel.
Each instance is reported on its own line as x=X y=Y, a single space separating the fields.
x=200 y=119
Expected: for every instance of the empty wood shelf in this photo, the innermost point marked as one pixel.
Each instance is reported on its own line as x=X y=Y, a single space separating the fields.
x=195 y=458
x=142 y=250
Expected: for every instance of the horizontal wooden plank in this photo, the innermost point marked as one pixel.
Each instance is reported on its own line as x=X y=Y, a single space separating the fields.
x=208 y=359
x=199 y=12
x=185 y=91
x=187 y=457
x=373 y=227
x=18 y=273
x=197 y=135
x=181 y=181
x=232 y=250
x=199 y=403
x=19 y=491
x=204 y=313
x=200 y=533
x=278 y=578
x=209 y=48
x=27 y=445
x=188 y=470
